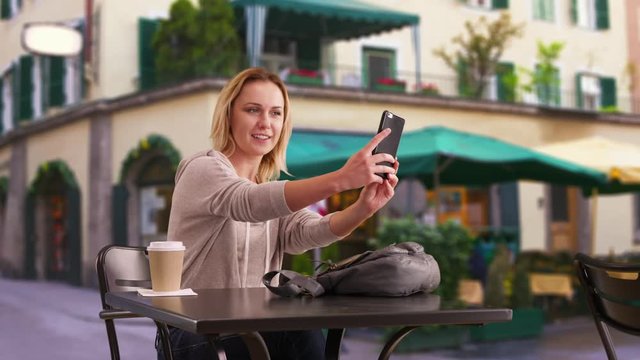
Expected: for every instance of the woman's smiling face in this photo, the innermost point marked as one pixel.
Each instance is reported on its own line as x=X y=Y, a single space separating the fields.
x=257 y=117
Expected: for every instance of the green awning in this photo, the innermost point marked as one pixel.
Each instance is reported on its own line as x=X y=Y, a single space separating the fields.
x=441 y=155
x=336 y=19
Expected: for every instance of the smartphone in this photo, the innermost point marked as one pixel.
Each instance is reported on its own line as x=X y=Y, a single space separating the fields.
x=390 y=144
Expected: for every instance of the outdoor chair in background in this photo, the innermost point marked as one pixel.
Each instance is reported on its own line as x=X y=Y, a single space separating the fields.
x=124 y=268
x=613 y=295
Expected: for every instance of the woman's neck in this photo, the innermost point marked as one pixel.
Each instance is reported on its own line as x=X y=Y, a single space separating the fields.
x=246 y=168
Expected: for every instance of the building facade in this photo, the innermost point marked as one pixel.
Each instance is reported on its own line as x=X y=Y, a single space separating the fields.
x=89 y=146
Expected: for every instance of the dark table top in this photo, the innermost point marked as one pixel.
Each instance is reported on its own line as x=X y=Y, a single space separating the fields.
x=215 y=311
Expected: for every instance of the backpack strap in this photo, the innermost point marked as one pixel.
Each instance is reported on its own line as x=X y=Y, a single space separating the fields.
x=292 y=284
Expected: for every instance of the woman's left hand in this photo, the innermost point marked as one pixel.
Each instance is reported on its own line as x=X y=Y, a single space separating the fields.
x=374 y=196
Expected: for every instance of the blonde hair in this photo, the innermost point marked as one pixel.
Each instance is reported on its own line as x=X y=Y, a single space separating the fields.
x=271 y=163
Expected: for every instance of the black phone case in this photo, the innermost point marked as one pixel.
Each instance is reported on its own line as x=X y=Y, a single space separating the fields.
x=390 y=144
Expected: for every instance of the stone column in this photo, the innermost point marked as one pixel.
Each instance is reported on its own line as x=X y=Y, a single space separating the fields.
x=13 y=232
x=100 y=189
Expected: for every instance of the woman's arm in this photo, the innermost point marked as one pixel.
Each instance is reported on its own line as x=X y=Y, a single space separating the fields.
x=360 y=170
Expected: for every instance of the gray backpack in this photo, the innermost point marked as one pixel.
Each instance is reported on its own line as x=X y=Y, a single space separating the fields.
x=396 y=270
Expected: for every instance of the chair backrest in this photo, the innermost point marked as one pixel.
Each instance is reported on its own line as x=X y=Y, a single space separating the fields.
x=613 y=292
x=122 y=268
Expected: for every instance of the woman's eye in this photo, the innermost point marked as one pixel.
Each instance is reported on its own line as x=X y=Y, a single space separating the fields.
x=276 y=113
x=253 y=110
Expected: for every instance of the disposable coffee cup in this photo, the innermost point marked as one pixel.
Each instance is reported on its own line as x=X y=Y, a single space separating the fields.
x=165 y=262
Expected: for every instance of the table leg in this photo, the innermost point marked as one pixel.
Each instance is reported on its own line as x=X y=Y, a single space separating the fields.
x=334 y=340
x=394 y=341
x=216 y=343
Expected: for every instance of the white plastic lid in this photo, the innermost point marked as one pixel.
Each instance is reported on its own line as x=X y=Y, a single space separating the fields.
x=165 y=246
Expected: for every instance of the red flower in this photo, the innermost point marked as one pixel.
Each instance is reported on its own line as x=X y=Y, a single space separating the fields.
x=304 y=73
x=390 y=81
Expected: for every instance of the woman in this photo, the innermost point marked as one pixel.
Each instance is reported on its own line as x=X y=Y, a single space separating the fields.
x=237 y=222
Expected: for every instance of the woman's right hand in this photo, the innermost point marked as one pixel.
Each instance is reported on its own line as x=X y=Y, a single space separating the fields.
x=361 y=168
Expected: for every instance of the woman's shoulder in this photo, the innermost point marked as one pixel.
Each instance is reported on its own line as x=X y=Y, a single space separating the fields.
x=204 y=161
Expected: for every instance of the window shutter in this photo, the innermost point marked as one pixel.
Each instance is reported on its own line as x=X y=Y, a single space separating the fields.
x=509 y=209
x=506 y=85
x=146 y=55
x=500 y=4
x=25 y=94
x=72 y=227
x=56 y=92
x=579 y=102
x=607 y=92
x=15 y=92
x=120 y=198
x=574 y=11
x=602 y=14
x=555 y=88
x=5 y=9
x=464 y=86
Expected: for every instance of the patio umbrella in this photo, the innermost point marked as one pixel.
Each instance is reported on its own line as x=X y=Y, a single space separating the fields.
x=439 y=155
x=618 y=160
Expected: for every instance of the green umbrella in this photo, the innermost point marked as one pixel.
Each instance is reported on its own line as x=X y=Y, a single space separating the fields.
x=439 y=155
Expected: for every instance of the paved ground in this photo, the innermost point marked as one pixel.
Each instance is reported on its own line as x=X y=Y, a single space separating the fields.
x=56 y=321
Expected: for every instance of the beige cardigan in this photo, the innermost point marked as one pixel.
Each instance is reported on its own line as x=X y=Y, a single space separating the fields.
x=211 y=213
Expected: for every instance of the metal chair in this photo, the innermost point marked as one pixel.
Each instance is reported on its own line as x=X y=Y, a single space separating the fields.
x=613 y=295
x=124 y=268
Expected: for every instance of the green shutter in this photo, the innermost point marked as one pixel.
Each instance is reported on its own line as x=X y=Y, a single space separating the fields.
x=579 y=101
x=146 y=55
x=30 y=237
x=57 y=70
x=119 y=214
x=607 y=92
x=509 y=209
x=574 y=11
x=464 y=83
x=555 y=89
x=5 y=9
x=506 y=82
x=15 y=92
x=25 y=109
x=500 y=4
x=74 y=239
x=602 y=14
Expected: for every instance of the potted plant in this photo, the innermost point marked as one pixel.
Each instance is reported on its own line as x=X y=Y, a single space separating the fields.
x=450 y=244
x=429 y=89
x=508 y=286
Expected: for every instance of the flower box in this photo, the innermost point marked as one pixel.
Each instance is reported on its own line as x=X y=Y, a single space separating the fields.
x=305 y=77
x=389 y=84
x=428 y=89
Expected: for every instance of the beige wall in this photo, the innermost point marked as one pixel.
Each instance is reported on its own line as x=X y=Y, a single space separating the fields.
x=71 y=145
x=531 y=202
x=184 y=121
x=39 y=10
x=118 y=42
x=614 y=225
x=441 y=20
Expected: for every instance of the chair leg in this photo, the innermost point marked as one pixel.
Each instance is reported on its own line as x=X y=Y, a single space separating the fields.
x=165 y=340
x=603 y=330
x=113 y=339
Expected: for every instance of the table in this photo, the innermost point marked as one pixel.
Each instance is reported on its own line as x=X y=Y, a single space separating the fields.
x=246 y=311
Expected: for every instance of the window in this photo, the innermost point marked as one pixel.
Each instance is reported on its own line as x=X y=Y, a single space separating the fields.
x=594 y=92
x=378 y=64
x=146 y=55
x=590 y=14
x=9 y=8
x=505 y=82
x=548 y=86
x=489 y=4
x=544 y=10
